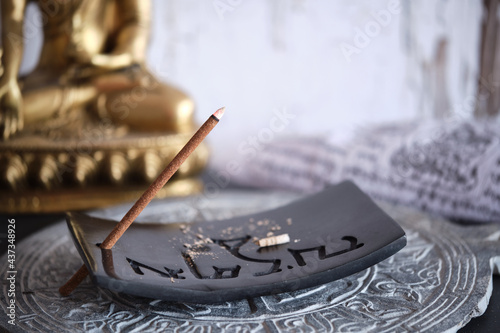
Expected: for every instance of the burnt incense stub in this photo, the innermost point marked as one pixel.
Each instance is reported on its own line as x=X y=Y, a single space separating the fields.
x=333 y=234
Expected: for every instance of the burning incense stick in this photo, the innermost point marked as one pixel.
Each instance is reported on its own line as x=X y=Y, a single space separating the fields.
x=147 y=196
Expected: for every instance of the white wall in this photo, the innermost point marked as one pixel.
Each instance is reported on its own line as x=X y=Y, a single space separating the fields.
x=259 y=57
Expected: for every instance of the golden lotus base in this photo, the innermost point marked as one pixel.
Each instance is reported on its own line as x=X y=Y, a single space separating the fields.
x=37 y=201
x=54 y=174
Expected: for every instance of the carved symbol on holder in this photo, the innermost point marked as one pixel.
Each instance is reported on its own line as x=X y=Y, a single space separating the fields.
x=353 y=245
x=233 y=246
x=170 y=273
x=218 y=271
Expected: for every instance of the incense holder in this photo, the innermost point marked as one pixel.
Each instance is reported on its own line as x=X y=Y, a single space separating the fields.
x=332 y=234
x=436 y=283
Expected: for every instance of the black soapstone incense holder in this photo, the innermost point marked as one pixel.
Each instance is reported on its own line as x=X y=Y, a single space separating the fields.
x=333 y=234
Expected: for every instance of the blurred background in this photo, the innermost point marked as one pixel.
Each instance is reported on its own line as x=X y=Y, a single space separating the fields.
x=318 y=67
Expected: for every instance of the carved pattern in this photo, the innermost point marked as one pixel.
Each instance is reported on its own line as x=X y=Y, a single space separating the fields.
x=321 y=250
x=428 y=286
x=169 y=273
x=234 y=245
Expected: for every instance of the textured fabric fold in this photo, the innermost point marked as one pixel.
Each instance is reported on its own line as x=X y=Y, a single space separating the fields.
x=450 y=168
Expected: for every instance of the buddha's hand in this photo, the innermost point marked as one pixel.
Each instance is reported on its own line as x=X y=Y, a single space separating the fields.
x=98 y=65
x=11 y=109
x=112 y=61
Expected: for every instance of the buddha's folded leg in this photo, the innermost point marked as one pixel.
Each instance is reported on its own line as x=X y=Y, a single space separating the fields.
x=46 y=102
x=162 y=108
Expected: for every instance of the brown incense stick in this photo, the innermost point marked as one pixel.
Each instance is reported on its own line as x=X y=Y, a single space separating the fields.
x=147 y=196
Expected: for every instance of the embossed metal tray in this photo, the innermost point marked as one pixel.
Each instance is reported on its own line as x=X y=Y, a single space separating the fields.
x=333 y=234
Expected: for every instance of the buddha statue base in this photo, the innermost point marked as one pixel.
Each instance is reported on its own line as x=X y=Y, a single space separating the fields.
x=80 y=163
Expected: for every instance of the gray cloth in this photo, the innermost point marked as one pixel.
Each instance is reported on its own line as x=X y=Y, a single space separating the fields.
x=450 y=168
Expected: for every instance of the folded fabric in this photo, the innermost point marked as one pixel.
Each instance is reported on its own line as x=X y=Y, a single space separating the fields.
x=450 y=168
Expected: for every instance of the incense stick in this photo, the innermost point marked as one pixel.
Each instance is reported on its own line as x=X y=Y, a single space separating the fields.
x=147 y=196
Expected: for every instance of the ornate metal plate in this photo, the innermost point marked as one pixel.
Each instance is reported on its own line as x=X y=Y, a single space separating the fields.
x=436 y=283
x=333 y=234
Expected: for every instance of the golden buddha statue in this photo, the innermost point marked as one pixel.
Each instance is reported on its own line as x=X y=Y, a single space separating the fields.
x=90 y=117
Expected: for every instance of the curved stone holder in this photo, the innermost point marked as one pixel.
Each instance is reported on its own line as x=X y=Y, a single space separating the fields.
x=332 y=234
